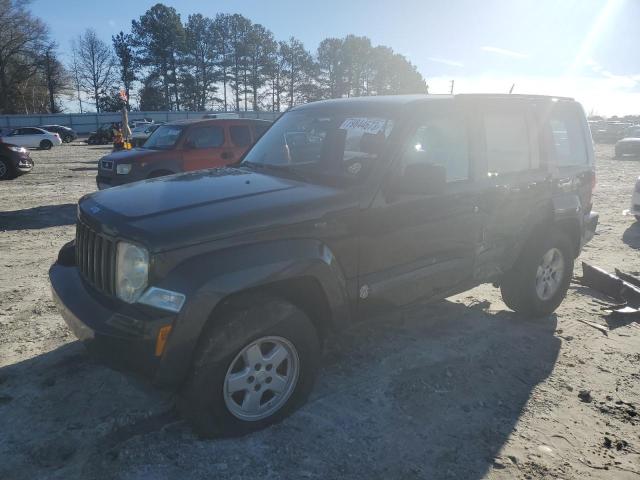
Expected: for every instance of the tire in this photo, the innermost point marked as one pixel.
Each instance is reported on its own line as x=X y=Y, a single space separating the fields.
x=6 y=171
x=520 y=287
x=46 y=145
x=256 y=320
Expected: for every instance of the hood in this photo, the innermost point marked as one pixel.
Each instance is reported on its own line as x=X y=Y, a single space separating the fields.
x=133 y=155
x=194 y=207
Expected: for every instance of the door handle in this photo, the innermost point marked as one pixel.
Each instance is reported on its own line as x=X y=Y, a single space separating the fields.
x=226 y=155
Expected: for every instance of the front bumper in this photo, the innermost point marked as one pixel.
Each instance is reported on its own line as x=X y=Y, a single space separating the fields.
x=112 y=180
x=590 y=224
x=24 y=165
x=119 y=335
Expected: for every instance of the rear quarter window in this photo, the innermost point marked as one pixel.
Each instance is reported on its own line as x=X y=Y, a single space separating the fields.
x=508 y=144
x=568 y=142
x=240 y=135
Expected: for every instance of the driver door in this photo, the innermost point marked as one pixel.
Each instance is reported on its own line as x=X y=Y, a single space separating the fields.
x=420 y=245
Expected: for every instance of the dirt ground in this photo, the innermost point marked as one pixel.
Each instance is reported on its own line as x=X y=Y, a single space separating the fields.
x=462 y=389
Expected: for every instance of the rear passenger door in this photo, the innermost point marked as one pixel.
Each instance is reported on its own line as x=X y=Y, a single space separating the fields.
x=26 y=137
x=202 y=147
x=240 y=135
x=515 y=182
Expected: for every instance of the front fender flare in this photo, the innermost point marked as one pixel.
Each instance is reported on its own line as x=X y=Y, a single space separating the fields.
x=209 y=278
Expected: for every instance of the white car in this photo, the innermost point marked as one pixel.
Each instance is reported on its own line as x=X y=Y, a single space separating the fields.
x=635 y=201
x=32 y=137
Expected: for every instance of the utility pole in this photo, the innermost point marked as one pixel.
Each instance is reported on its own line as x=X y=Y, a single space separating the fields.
x=452 y=84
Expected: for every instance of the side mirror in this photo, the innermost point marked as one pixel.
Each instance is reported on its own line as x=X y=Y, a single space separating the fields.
x=420 y=179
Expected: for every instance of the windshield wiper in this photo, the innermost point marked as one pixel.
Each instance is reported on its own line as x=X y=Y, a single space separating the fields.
x=284 y=169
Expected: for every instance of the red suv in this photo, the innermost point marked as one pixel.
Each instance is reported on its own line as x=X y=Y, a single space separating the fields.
x=181 y=146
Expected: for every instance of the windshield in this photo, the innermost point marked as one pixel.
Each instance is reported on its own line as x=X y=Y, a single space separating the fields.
x=317 y=144
x=164 y=138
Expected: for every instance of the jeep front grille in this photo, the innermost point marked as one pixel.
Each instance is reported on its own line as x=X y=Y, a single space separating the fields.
x=96 y=258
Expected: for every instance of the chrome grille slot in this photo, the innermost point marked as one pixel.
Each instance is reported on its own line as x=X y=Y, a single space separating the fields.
x=96 y=258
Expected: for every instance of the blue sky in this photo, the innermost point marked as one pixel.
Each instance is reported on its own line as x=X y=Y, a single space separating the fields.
x=588 y=49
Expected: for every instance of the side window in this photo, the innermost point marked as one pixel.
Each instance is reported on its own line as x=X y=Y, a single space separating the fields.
x=568 y=139
x=240 y=135
x=507 y=142
x=441 y=140
x=206 y=136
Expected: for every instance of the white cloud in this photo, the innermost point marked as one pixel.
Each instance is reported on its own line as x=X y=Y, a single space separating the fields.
x=615 y=81
x=446 y=61
x=504 y=52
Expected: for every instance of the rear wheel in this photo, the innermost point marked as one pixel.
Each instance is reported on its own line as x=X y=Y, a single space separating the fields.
x=539 y=281
x=46 y=145
x=252 y=369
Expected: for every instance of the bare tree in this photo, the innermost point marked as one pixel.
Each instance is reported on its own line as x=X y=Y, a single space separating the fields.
x=96 y=65
x=74 y=68
x=22 y=37
x=56 y=77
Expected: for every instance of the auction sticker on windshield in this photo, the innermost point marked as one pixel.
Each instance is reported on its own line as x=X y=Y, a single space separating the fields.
x=365 y=125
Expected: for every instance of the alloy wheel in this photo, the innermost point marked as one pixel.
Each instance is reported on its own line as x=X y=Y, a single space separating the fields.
x=261 y=378
x=549 y=274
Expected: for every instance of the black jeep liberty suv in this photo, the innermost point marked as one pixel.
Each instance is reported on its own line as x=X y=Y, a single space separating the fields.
x=222 y=283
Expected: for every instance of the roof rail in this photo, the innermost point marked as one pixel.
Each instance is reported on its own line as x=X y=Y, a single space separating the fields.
x=514 y=95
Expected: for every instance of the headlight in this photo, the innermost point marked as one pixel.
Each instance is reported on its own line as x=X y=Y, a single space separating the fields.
x=18 y=149
x=123 y=169
x=132 y=271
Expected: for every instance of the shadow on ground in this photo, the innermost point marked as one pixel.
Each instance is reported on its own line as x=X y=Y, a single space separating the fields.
x=433 y=393
x=631 y=235
x=39 y=217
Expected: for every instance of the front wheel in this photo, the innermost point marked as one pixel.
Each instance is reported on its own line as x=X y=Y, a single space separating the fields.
x=254 y=367
x=46 y=145
x=6 y=172
x=538 y=282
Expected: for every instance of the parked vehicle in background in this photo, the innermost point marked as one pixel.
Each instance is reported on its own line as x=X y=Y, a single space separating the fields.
x=66 y=134
x=609 y=132
x=140 y=134
x=220 y=115
x=225 y=282
x=32 y=137
x=181 y=146
x=14 y=161
x=628 y=146
x=102 y=136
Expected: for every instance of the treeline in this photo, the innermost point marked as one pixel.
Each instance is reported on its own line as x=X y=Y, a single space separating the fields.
x=32 y=77
x=221 y=63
